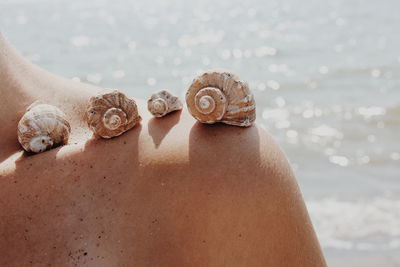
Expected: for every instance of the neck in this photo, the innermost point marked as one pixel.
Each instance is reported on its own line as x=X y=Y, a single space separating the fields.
x=22 y=83
x=14 y=99
x=12 y=70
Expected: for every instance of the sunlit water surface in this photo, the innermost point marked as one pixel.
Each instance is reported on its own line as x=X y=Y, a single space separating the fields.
x=325 y=74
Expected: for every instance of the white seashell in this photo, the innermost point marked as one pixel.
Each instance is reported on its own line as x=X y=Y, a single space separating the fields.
x=220 y=96
x=162 y=103
x=42 y=127
x=111 y=113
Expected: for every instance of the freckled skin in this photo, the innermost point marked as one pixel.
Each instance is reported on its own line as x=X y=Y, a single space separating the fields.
x=169 y=192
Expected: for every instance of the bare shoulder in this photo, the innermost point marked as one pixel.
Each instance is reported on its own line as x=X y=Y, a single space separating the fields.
x=192 y=194
x=176 y=139
x=233 y=198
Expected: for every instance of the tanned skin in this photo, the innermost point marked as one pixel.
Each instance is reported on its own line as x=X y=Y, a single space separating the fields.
x=169 y=192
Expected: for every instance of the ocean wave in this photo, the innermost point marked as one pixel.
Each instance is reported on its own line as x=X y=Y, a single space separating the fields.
x=368 y=224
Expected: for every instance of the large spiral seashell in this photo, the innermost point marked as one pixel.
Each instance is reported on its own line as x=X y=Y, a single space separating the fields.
x=221 y=96
x=42 y=127
x=162 y=103
x=111 y=113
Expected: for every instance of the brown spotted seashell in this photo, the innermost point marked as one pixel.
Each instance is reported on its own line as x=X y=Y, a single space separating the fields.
x=111 y=113
x=42 y=127
x=162 y=103
x=221 y=96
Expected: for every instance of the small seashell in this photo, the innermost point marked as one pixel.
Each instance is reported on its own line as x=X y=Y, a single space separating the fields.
x=220 y=96
x=111 y=113
x=162 y=103
x=42 y=127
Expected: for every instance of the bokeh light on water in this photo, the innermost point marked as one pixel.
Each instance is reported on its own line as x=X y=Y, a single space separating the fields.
x=325 y=74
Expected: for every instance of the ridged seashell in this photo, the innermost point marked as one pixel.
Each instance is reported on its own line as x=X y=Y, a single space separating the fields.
x=162 y=103
x=43 y=127
x=111 y=113
x=220 y=96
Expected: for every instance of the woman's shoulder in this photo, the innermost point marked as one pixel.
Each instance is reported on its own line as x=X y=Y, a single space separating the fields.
x=217 y=194
x=176 y=141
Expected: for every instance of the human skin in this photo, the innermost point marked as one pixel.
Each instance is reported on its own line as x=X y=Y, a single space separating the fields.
x=169 y=192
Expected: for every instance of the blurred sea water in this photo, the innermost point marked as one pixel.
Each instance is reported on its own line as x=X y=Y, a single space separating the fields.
x=325 y=74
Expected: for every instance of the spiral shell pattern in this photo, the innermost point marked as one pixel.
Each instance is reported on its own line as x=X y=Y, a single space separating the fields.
x=221 y=96
x=162 y=103
x=111 y=113
x=43 y=127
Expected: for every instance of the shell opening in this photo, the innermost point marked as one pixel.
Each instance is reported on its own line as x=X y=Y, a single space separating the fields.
x=114 y=118
x=40 y=143
x=206 y=104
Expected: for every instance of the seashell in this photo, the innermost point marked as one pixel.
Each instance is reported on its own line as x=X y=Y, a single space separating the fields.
x=111 y=113
x=42 y=127
x=162 y=103
x=221 y=96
